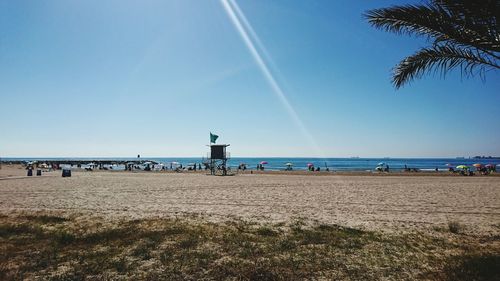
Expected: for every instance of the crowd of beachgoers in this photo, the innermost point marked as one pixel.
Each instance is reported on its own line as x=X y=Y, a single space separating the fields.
x=38 y=166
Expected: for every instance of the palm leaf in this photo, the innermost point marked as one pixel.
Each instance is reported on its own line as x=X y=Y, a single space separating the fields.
x=464 y=34
x=441 y=58
x=443 y=21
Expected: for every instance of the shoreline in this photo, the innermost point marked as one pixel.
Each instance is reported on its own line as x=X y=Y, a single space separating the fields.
x=17 y=171
x=349 y=165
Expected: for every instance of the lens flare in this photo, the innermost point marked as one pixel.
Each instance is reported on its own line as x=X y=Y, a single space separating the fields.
x=249 y=36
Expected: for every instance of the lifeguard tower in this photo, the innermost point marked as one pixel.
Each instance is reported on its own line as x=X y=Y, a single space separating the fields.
x=218 y=159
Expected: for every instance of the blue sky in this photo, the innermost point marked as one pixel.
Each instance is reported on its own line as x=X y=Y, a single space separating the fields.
x=121 y=78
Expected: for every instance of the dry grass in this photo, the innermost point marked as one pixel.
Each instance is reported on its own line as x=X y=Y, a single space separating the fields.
x=87 y=248
x=455 y=227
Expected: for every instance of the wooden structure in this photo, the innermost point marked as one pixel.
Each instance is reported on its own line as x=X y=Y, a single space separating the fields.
x=218 y=159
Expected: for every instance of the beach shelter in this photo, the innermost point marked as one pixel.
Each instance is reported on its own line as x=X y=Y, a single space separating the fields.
x=477 y=165
x=310 y=166
x=382 y=166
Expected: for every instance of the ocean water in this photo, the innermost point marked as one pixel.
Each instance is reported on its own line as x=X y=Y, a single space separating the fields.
x=335 y=164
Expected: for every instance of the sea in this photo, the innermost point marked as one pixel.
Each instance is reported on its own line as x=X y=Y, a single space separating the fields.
x=302 y=163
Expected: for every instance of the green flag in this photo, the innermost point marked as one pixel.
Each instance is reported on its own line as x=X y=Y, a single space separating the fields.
x=213 y=138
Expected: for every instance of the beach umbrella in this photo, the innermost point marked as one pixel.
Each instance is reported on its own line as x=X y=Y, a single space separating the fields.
x=381 y=164
x=490 y=166
x=289 y=164
x=263 y=162
x=462 y=167
x=310 y=164
x=477 y=165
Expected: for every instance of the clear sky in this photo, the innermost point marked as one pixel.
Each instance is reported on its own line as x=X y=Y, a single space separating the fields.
x=121 y=78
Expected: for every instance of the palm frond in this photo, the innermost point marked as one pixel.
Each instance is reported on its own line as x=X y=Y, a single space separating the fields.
x=443 y=21
x=464 y=34
x=408 y=19
x=442 y=58
x=477 y=20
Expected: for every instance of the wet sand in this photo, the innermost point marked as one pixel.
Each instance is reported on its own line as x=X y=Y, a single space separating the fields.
x=395 y=202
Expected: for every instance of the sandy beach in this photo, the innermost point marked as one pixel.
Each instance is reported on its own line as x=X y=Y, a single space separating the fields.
x=367 y=202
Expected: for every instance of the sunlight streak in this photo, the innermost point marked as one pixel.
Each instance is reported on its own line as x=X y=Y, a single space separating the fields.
x=244 y=29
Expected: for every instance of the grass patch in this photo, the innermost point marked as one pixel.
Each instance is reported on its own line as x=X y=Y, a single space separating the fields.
x=63 y=237
x=190 y=241
x=266 y=231
x=53 y=248
x=46 y=219
x=455 y=227
x=107 y=235
x=474 y=267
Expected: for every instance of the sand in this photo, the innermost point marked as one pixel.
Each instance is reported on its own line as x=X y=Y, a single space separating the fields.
x=398 y=202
